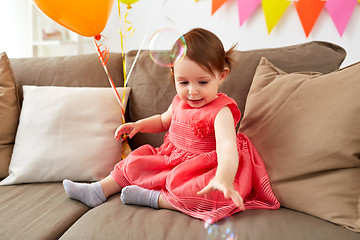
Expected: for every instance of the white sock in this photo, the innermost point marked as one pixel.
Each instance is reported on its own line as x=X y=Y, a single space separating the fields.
x=140 y=196
x=89 y=193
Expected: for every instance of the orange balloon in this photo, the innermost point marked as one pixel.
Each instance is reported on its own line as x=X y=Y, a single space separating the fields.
x=85 y=17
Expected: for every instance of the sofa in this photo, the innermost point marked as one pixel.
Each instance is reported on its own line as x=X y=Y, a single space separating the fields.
x=299 y=109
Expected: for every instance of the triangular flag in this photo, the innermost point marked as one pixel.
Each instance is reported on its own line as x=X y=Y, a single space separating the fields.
x=216 y=4
x=340 y=12
x=309 y=11
x=273 y=11
x=246 y=8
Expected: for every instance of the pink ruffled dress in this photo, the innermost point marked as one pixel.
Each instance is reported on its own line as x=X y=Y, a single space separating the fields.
x=186 y=162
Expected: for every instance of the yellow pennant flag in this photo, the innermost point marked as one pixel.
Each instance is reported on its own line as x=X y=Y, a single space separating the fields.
x=273 y=11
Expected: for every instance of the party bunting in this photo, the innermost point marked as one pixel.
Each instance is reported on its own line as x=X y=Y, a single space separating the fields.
x=309 y=11
x=216 y=4
x=273 y=11
x=246 y=8
x=340 y=12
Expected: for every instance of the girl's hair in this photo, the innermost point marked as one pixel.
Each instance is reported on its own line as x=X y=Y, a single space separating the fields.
x=205 y=48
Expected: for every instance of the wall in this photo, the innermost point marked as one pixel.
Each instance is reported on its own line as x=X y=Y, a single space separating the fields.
x=14 y=27
x=147 y=16
x=252 y=34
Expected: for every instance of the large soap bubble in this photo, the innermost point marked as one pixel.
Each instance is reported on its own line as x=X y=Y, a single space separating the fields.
x=167 y=47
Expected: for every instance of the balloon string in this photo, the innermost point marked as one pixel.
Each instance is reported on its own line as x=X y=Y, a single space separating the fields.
x=104 y=57
x=103 y=52
x=122 y=47
x=128 y=28
x=123 y=34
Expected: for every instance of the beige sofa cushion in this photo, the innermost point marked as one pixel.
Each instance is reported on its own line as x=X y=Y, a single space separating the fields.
x=306 y=128
x=9 y=113
x=153 y=89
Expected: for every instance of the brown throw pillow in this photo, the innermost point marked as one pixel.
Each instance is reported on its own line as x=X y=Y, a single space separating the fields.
x=306 y=128
x=9 y=113
x=153 y=90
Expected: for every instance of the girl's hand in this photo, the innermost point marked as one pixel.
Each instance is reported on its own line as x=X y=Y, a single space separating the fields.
x=226 y=188
x=127 y=128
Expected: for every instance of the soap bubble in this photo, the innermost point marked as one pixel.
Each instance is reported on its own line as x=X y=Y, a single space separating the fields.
x=223 y=229
x=167 y=47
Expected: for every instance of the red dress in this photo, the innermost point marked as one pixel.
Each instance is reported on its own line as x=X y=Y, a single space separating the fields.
x=186 y=162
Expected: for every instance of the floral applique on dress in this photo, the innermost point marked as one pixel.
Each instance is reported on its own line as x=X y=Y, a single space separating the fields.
x=200 y=128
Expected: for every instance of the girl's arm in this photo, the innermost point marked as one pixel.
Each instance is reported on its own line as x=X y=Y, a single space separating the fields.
x=228 y=158
x=153 y=124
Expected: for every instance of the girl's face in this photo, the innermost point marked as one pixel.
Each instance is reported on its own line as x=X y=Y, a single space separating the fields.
x=195 y=85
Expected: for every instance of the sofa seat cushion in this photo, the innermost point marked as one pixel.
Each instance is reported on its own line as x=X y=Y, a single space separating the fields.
x=37 y=211
x=114 y=220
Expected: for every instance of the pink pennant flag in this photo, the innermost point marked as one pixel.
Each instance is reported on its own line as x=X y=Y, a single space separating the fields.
x=340 y=12
x=246 y=8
